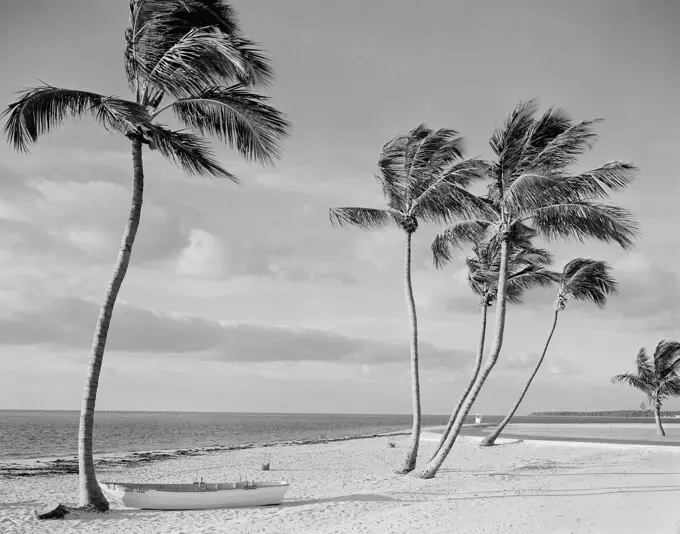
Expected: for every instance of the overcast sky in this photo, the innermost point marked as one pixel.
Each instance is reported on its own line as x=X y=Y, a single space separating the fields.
x=244 y=298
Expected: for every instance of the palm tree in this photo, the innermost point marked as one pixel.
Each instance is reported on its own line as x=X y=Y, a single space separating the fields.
x=423 y=177
x=530 y=185
x=581 y=279
x=527 y=269
x=657 y=377
x=193 y=55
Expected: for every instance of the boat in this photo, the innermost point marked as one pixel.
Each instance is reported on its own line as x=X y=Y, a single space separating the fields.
x=197 y=496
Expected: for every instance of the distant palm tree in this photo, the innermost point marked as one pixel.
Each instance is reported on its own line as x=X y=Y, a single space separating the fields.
x=193 y=53
x=657 y=377
x=423 y=176
x=581 y=279
x=527 y=269
x=530 y=185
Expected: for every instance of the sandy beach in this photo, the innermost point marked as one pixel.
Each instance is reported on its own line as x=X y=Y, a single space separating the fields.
x=349 y=487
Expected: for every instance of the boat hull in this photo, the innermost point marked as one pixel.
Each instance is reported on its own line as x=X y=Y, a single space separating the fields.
x=193 y=496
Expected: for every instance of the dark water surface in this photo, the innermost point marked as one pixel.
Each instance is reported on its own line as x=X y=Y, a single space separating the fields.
x=36 y=434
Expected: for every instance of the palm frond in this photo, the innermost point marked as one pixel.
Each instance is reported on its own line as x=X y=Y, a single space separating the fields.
x=201 y=58
x=456 y=235
x=529 y=255
x=364 y=218
x=454 y=177
x=565 y=148
x=509 y=140
x=41 y=109
x=634 y=381
x=586 y=279
x=393 y=175
x=667 y=357
x=430 y=156
x=554 y=122
x=580 y=220
x=526 y=269
x=671 y=387
x=156 y=26
x=187 y=150
x=450 y=201
x=528 y=278
x=422 y=173
x=238 y=117
x=643 y=366
x=260 y=72
x=533 y=190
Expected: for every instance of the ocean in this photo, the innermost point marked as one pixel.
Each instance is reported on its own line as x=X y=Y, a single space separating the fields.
x=49 y=434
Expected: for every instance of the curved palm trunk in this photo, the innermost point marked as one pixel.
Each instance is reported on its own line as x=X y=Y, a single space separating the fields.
x=473 y=378
x=491 y=439
x=409 y=463
x=90 y=493
x=657 y=417
x=430 y=470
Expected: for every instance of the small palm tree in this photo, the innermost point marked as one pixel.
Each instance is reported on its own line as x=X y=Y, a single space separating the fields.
x=527 y=270
x=657 y=377
x=423 y=177
x=581 y=279
x=530 y=185
x=192 y=54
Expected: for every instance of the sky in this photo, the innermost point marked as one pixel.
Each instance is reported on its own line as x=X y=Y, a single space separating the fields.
x=244 y=298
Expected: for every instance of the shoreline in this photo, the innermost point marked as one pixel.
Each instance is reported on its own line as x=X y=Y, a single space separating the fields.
x=471 y=432
x=68 y=465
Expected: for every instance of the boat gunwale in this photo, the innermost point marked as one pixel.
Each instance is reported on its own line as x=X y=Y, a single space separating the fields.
x=203 y=487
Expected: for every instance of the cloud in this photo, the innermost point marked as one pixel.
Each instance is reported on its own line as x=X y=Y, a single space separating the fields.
x=203 y=256
x=648 y=293
x=69 y=322
x=524 y=363
x=83 y=220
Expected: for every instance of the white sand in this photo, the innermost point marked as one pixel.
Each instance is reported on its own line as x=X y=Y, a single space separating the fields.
x=349 y=487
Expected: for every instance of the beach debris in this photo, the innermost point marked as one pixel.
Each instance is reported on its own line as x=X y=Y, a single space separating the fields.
x=52 y=510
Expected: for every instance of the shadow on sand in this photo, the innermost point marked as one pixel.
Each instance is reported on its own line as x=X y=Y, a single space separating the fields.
x=356 y=497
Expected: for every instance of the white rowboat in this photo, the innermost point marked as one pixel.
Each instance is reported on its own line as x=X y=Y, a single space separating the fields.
x=196 y=496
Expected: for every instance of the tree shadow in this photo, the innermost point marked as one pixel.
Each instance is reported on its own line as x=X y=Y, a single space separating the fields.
x=576 y=474
x=23 y=504
x=355 y=497
x=611 y=490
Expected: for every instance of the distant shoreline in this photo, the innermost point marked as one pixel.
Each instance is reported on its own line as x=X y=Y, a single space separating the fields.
x=611 y=413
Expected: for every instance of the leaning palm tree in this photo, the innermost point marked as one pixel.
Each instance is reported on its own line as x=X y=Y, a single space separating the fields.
x=531 y=185
x=581 y=279
x=526 y=270
x=185 y=56
x=657 y=377
x=423 y=177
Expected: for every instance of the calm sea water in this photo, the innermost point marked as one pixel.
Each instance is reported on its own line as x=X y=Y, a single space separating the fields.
x=35 y=434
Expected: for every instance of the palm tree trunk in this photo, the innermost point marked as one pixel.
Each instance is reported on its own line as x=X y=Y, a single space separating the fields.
x=430 y=470
x=409 y=463
x=91 y=495
x=491 y=439
x=473 y=378
x=657 y=417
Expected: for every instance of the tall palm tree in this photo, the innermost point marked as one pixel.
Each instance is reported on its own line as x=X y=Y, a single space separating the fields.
x=657 y=377
x=581 y=279
x=185 y=56
x=527 y=269
x=531 y=185
x=423 y=177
